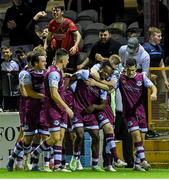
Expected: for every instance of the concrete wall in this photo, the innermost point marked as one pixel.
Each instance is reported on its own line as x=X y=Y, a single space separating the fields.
x=9 y=128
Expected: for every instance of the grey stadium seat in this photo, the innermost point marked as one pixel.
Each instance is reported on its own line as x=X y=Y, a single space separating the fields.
x=93 y=28
x=89 y=14
x=71 y=15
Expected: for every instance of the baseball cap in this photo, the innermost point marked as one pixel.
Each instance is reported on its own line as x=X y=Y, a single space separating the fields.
x=132 y=45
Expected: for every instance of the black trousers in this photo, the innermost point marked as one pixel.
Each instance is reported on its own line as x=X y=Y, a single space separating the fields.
x=121 y=133
x=10 y=103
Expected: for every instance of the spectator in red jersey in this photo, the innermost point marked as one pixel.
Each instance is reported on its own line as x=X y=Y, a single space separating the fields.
x=63 y=33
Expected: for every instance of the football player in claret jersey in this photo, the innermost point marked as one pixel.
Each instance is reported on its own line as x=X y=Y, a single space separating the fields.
x=56 y=108
x=131 y=86
x=89 y=102
x=33 y=121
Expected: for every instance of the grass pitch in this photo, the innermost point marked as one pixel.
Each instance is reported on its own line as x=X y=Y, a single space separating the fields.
x=87 y=174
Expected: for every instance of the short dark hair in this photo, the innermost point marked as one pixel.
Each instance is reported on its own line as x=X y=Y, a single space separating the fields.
x=102 y=30
x=133 y=30
x=131 y=62
x=35 y=58
x=19 y=51
x=5 y=47
x=106 y=63
x=59 y=53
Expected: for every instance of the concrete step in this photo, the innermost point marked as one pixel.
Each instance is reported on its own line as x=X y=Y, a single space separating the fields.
x=157 y=156
x=160 y=129
x=160 y=123
x=157 y=152
x=157 y=145
x=159 y=165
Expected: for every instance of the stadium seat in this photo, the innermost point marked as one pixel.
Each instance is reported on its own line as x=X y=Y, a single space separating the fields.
x=122 y=40
x=44 y=21
x=82 y=57
x=89 y=14
x=93 y=28
x=87 y=17
x=119 y=25
x=71 y=15
x=89 y=41
x=81 y=45
x=116 y=31
x=133 y=25
x=141 y=39
x=79 y=27
x=84 y=24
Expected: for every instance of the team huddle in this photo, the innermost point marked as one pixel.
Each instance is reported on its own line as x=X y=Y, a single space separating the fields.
x=53 y=102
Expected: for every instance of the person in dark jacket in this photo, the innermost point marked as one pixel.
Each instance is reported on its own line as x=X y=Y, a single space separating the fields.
x=16 y=19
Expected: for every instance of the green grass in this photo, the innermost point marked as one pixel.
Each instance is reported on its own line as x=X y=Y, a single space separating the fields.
x=87 y=173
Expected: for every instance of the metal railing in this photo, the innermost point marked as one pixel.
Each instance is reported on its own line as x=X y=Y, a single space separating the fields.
x=158 y=110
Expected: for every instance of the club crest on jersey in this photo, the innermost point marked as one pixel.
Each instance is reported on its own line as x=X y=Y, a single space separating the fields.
x=74 y=120
x=130 y=123
x=100 y=117
x=139 y=83
x=56 y=123
x=26 y=127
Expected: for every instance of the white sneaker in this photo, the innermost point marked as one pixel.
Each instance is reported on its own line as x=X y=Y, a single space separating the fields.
x=109 y=168
x=66 y=166
x=79 y=165
x=65 y=170
x=120 y=163
x=145 y=165
x=137 y=167
x=61 y=170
